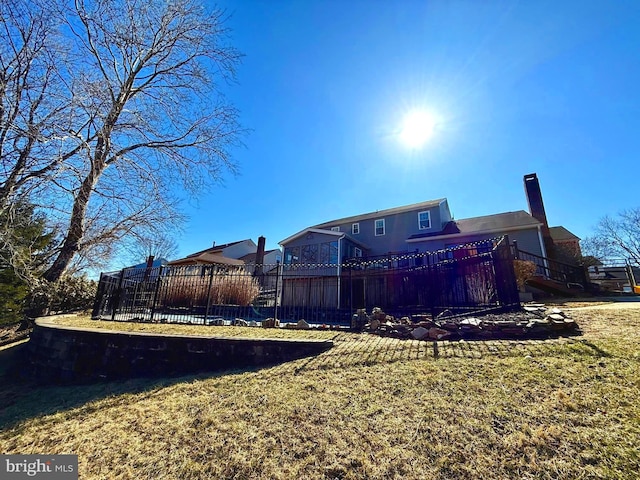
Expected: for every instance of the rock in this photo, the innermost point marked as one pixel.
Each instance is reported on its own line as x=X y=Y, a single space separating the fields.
x=374 y=325
x=271 y=323
x=556 y=317
x=406 y=321
x=557 y=312
x=359 y=319
x=537 y=328
x=470 y=321
x=445 y=314
x=378 y=314
x=240 y=322
x=438 y=333
x=302 y=325
x=253 y=323
x=513 y=331
x=529 y=308
x=420 y=333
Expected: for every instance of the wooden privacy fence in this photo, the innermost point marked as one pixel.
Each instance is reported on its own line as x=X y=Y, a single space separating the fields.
x=471 y=277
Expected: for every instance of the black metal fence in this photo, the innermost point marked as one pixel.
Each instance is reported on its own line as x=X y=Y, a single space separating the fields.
x=472 y=277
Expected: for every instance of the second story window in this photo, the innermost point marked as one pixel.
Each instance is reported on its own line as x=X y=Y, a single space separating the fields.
x=424 y=220
x=335 y=229
x=355 y=228
x=379 y=227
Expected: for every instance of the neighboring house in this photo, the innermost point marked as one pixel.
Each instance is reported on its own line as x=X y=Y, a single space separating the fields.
x=242 y=252
x=616 y=276
x=271 y=258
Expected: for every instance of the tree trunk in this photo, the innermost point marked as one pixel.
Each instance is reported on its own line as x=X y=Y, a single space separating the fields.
x=76 y=230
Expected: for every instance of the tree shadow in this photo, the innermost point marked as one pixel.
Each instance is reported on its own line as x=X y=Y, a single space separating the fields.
x=23 y=398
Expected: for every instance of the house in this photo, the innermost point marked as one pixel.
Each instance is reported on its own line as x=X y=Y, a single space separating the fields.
x=242 y=252
x=320 y=251
x=426 y=227
x=421 y=227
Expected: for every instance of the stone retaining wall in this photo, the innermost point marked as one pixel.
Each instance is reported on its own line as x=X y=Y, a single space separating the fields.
x=63 y=354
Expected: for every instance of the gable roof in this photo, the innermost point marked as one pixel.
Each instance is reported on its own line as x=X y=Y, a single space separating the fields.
x=499 y=222
x=311 y=230
x=251 y=257
x=382 y=213
x=206 y=258
x=217 y=248
x=561 y=234
x=338 y=236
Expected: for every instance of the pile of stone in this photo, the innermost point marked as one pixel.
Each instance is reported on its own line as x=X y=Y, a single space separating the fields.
x=533 y=321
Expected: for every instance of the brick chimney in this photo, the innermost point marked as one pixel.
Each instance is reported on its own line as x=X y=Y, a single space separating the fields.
x=260 y=255
x=536 y=209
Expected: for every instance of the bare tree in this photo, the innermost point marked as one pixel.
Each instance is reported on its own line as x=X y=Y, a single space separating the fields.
x=34 y=108
x=155 y=244
x=147 y=115
x=105 y=107
x=616 y=237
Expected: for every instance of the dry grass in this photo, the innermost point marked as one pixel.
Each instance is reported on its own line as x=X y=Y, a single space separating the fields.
x=233 y=287
x=371 y=408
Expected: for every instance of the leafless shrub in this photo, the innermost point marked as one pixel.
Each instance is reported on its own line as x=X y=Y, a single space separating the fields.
x=481 y=288
x=231 y=287
x=524 y=270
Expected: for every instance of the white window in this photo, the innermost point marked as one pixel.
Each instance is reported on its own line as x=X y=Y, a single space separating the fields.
x=424 y=220
x=335 y=229
x=357 y=252
x=379 y=227
x=355 y=228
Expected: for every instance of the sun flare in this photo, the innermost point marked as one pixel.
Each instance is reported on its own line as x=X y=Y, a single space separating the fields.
x=417 y=128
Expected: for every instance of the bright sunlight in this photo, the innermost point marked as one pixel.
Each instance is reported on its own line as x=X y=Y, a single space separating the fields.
x=417 y=128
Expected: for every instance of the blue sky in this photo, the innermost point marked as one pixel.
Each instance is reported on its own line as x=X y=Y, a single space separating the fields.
x=518 y=87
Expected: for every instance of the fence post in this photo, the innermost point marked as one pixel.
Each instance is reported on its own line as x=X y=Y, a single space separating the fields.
x=155 y=293
x=506 y=285
x=275 y=308
x=206 y=312
x=97 y=310
x=118 y=295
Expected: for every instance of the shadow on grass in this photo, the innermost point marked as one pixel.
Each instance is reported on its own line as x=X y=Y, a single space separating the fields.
x=21 y=399
x=367 y=350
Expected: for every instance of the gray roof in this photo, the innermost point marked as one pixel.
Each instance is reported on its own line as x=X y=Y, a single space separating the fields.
x=216 y=248
x=380 y=213
x=488 y=223
x=561 y=234
x=251 y=257
x=207 y=258
x=497 y=221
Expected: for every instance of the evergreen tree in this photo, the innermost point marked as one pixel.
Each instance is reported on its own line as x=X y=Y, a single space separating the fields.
x=25 y=250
